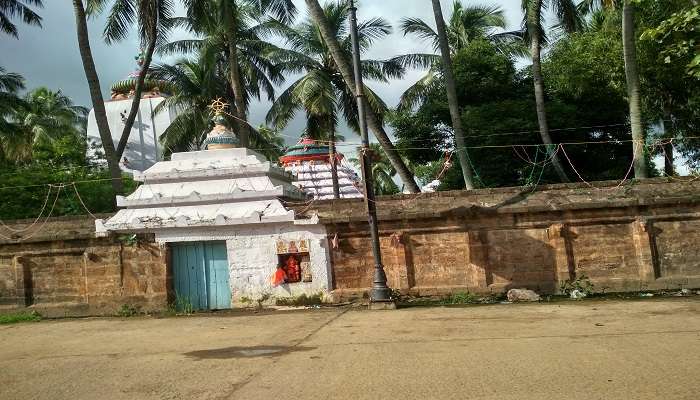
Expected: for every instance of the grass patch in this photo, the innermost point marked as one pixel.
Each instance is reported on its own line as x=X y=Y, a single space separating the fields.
x=22 y=316
x=303 y=300
x=127 y=310
x=460 y=298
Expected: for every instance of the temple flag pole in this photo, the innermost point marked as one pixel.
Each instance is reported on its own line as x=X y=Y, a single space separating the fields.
x=380 y=296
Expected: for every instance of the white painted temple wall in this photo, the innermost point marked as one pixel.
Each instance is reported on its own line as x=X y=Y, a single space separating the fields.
x=252 y=257
x=143 y=149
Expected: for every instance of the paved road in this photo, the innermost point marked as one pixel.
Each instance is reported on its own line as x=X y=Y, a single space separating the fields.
x=585 y=350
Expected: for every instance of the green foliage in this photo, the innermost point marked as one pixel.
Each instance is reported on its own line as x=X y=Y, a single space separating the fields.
x=679 y=36
x=582 y=283
x=22 y=316
x=45 y=122
x=184 y=305
x=498 y=109
x=24 y=191
x=128 y=310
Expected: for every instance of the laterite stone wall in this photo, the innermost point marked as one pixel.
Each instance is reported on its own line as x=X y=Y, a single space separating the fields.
x=641 y=236
x=65 y=270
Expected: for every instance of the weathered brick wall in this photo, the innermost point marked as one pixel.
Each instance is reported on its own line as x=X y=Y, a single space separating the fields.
x=634 y=237
x=64 y=269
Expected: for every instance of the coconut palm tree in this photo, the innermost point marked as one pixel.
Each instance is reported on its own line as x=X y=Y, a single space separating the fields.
x=194 y=84
x=320 y=92
x=453 y=102
x=466 y=24
x=10 y=104
x=631 y=75
x=228 y=18
x=261 y=65
x=96 y=96
x=44 y=116
x=20 y=9
x=341 y=58
x=153 y=19
x=569 y=19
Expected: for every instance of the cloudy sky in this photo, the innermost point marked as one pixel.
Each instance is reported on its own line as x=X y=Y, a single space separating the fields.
x=49 y=56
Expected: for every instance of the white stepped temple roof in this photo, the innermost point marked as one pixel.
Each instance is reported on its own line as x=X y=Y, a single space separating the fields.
x=206 y=188
x=315 y=178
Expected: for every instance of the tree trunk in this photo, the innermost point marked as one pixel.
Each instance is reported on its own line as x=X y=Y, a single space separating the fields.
x=138 y=90
x=96 y=97
x=536 y=48
x=238 y=94
x=334 y=164
x=236 y=82
x=452 y=97
x=343 y=64
x=633 y=91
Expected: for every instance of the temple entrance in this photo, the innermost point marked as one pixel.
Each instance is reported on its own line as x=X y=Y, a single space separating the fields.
x=201 y=275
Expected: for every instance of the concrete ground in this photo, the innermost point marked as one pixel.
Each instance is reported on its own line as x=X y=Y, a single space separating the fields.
x=585 y=350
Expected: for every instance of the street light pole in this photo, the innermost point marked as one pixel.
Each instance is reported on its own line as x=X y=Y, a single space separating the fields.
x=380 y=291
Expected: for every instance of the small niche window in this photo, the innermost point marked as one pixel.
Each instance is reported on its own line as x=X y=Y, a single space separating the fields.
x=293 y=258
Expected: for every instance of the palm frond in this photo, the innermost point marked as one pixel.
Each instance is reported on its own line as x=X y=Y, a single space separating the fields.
x=420 y=29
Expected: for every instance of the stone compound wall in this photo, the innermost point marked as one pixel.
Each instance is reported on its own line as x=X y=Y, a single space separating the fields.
x=64 y=270
x=630 y=238
x=636 y=237
x=252 y=257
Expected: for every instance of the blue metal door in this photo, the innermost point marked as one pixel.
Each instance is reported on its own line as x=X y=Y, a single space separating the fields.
x=200 y=275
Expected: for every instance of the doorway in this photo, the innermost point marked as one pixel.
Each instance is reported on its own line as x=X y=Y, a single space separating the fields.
x=201 y=275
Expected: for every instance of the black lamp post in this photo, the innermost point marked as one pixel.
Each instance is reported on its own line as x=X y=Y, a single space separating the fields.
x=380 y=291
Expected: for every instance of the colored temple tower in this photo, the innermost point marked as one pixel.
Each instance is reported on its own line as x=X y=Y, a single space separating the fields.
x=310 y=161
x=143 y=148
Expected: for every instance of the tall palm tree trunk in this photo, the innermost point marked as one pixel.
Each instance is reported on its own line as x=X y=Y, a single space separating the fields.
x=452 y=101
x=236 y=82
x=633 y=90
x=238 y=94
x=96 y=97
x=138 y=90
x=334 y=164
x=536 y=48
x=344 y=66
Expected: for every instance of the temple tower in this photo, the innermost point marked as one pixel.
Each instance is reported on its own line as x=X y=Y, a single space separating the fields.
x=310 y=161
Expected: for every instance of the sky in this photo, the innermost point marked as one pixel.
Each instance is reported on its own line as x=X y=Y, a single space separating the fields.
x=49 y=56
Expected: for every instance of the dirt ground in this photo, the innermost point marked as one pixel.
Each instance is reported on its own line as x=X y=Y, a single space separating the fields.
x=584 y=350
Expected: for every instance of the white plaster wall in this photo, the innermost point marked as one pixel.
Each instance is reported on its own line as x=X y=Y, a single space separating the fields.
x=252 y=257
